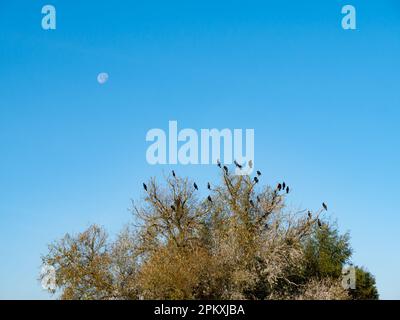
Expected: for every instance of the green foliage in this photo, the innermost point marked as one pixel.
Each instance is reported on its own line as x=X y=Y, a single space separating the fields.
x=365 y=286
x=326 y=252
x=239 y=242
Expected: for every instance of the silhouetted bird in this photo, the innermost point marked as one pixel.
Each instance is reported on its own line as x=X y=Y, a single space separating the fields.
x=283 y=185
x=258 y=173
x=324 y=206
x=287 y=189
x=319 y=223
x=266 y=226
x=266 y=214
x=279 y=187
x=209 y=198
x=237 y=164
x=195 y=186
x=255 y=179
x=173 y=207
x=251 y=203
x=144 y=186
x=219 y=163
x=173 y=173
x=309 y=215
x=258 y=199
x=208 y=186
x=226 y=169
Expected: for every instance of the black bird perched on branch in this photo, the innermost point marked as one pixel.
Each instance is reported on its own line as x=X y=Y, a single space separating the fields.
x=144 y=186
x=173 y=207
x=173 y=174
x=251 y=203
x=195 y=186
x=208 y=186
x=283 y=185
x=287 y=189
x=309 y=214
x=258 y=199
x=226 y=169
x=324 y=206
x=255 y=179
x=319 y=223
x=279 y=187
x=218 y=163
x=209 y=198
x=258 y=172
x=237 y=164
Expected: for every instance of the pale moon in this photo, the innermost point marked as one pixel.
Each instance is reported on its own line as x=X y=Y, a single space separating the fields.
x=102 y=77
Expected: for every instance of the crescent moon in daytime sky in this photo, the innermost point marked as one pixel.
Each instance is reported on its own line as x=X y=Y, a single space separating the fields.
x=102 y=77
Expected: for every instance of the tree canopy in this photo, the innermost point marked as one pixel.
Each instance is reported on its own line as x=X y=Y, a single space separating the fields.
x=238 y=241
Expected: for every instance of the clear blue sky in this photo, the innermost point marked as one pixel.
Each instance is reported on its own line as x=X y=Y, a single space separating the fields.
x=324 y=103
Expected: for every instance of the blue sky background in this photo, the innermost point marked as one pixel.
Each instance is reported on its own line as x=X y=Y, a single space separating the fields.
x=324 y=103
